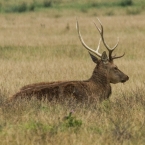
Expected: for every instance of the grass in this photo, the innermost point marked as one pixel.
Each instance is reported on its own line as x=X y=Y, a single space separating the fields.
x=16 y=6
x=119 y=122
x=37 y=47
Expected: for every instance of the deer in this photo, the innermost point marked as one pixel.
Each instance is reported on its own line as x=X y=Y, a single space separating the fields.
x=97 y=87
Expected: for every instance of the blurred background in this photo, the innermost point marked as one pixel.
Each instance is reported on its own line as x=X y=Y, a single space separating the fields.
x=112 y=7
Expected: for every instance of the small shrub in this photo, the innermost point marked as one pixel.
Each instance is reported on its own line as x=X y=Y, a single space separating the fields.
x=32 y=7
x=126 y=3
x=22 y=7
x=94 y=4
x=17 y=8
x=47 y=3
x=71 y=121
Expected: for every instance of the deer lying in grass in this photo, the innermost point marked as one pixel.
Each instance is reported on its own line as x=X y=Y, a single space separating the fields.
x=97 y=87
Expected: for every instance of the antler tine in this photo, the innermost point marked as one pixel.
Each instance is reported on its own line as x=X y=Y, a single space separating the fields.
x=83 y=43
x=101 y=31
x=97 y=50
x=111 y=50
x=115 y=57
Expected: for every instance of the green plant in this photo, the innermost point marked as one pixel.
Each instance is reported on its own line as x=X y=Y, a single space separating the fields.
x=71 y=121
x=22 y=7
x=126 y=3
x=47 y=3
x=94 y=4
x=32 y=7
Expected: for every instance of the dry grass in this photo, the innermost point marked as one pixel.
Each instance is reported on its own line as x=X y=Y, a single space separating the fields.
x=35 y=47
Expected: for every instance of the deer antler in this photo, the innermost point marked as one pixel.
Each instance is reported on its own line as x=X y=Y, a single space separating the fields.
x=83 y=43
x=108 y=48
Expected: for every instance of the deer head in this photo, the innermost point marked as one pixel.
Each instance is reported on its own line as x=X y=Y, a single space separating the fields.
x=105 y=63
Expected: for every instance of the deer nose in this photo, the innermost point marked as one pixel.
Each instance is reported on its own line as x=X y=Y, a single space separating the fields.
x=127 y=78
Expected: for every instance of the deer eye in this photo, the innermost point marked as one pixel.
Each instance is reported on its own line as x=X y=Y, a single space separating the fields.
x=115 y=68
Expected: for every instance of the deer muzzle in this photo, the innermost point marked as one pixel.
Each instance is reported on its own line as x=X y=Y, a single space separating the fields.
x=126 y=78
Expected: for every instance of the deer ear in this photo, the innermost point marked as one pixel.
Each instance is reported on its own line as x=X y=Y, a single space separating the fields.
x=95 y=59
x=104 y=58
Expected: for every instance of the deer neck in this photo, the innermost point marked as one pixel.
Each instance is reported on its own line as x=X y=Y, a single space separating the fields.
x=100 y=77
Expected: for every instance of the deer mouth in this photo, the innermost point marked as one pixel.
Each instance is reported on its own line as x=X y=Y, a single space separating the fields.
x=123 y=81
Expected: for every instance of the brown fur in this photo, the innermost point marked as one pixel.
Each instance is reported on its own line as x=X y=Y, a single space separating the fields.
x=96 y=88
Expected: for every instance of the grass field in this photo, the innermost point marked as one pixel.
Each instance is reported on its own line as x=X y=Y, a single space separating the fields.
x=44 y=46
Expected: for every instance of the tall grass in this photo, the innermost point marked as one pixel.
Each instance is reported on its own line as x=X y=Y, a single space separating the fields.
x=120 y=121
x=35 y=48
